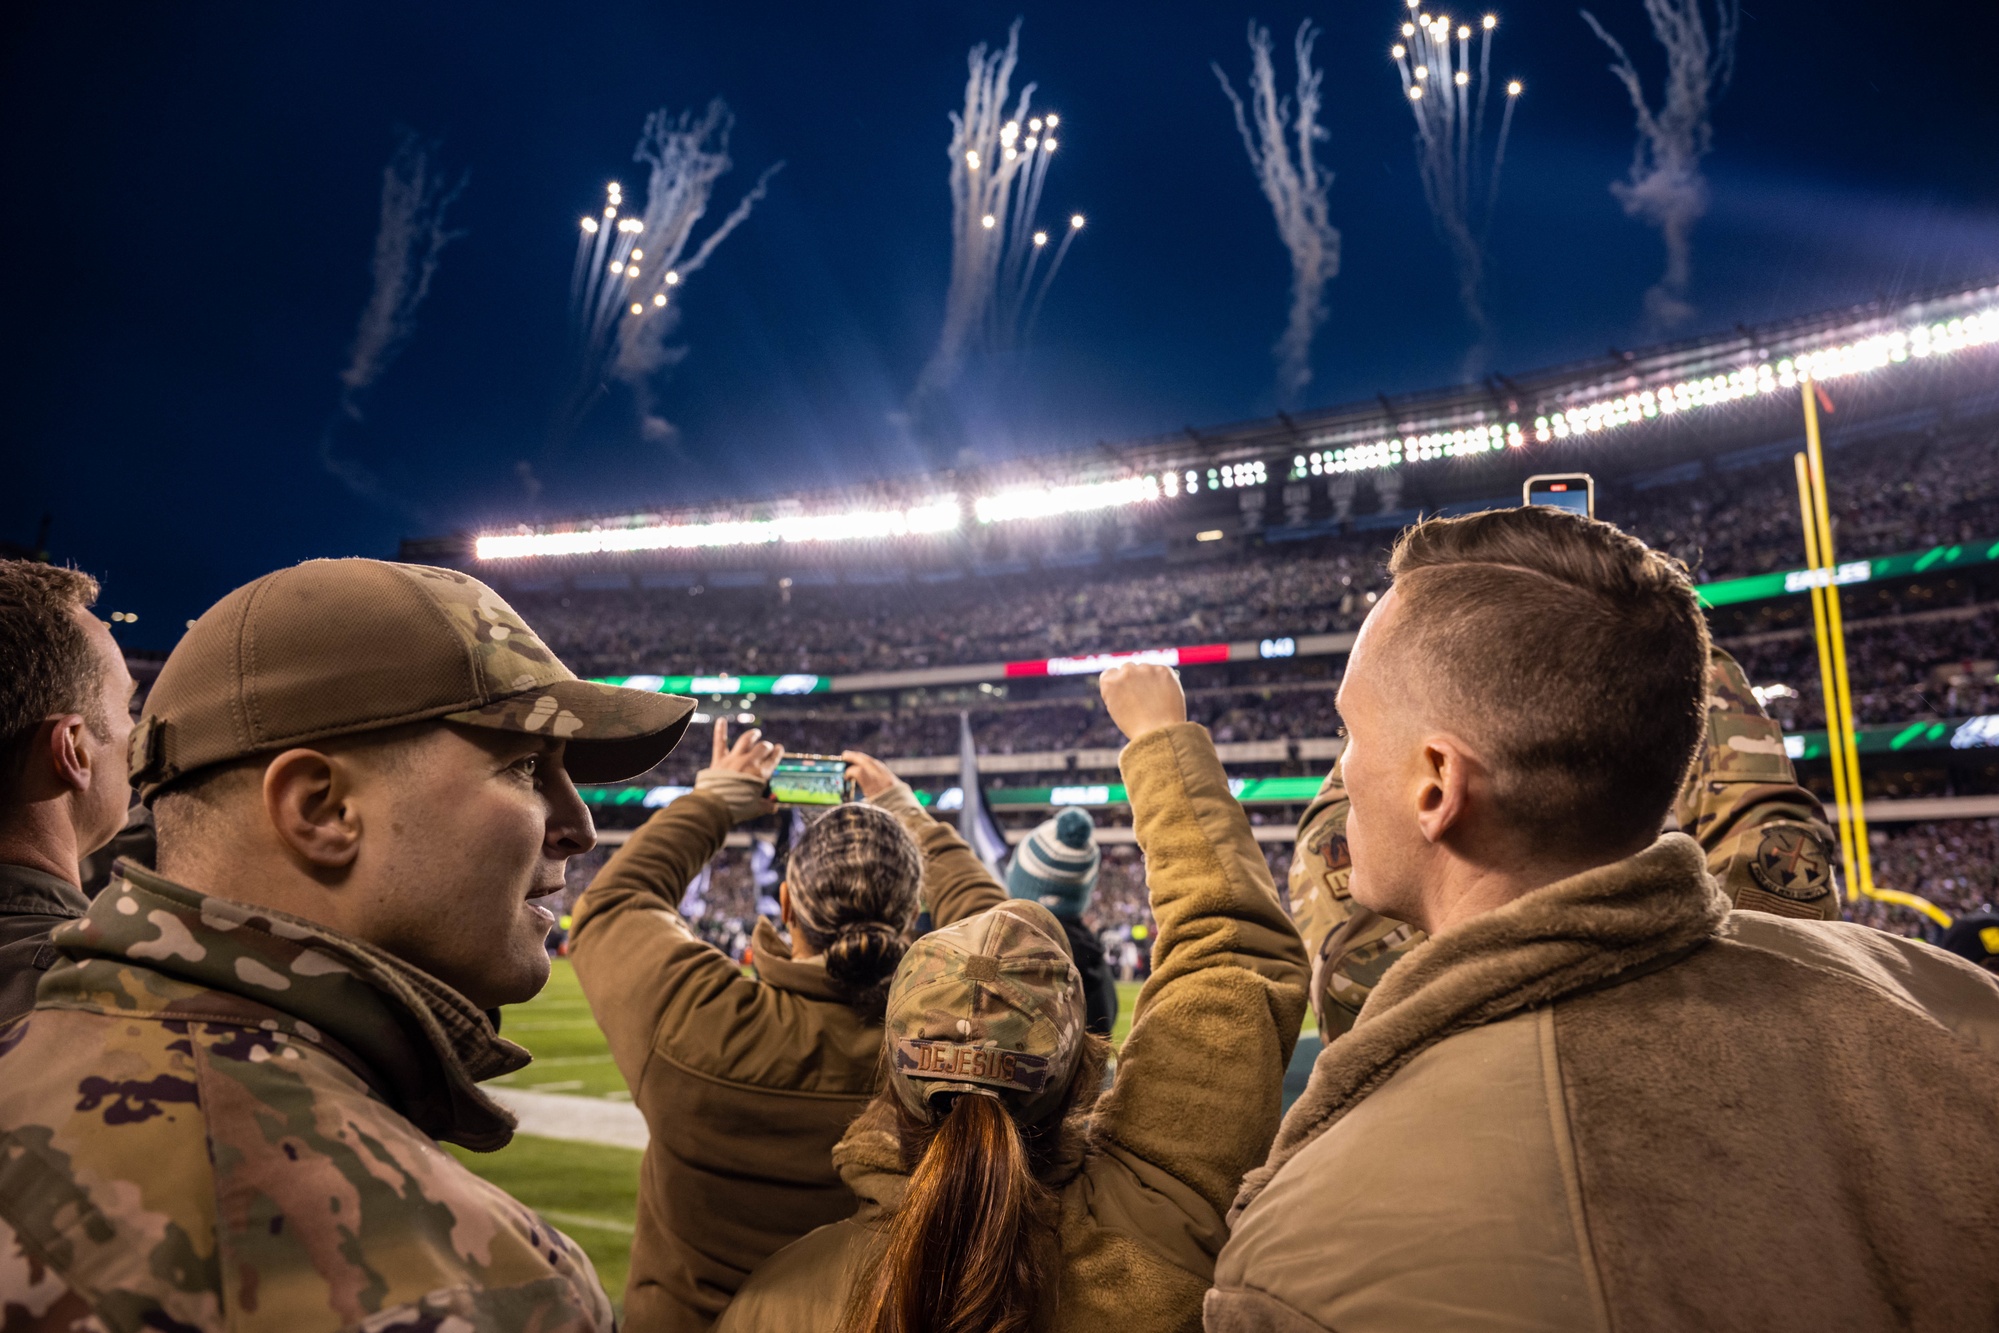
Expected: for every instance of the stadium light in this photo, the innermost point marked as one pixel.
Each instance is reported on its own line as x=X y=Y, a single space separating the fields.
x=939 y=515
x=1917 y=343
x=1051 y=501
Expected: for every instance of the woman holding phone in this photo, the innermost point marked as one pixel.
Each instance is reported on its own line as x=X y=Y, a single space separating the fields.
x=748 y=1078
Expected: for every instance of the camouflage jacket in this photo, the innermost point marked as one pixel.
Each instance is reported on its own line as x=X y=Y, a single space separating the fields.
x=222 y=1117
x=1766 y=839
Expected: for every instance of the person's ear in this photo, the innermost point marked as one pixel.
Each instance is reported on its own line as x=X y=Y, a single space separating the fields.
x=784 y=902
x=69 y=755
x=308 y=799
x=1442 y=793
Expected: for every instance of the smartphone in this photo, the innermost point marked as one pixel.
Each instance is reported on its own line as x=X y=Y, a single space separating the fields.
x=1573 y=491
x=812 y=779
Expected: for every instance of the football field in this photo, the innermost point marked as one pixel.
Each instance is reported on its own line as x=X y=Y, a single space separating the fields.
x=591 y=1191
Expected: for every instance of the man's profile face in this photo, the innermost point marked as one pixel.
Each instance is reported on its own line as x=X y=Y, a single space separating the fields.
x=456 y=840
x=103 y=807
x=1381 y=766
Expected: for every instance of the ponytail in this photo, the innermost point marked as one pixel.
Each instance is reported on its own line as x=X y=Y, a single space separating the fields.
x=968 y=1250
x=861 y=960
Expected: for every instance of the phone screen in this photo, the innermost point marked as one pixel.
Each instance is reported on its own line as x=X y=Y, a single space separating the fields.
x=1573 y=491
x=809 y=779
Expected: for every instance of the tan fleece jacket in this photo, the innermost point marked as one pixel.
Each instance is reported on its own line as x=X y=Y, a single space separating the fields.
x=746 y=1082
x=1614 y=1104
x=1146 y=1175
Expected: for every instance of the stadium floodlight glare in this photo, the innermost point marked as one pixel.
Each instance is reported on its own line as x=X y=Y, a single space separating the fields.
x=939 y=515
x=1917 y=343
x=1051 y=501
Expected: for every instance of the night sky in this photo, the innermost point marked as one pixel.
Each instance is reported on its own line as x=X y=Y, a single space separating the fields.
x=192 y=196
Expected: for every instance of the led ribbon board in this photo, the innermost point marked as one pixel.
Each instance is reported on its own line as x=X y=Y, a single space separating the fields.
x=1785 y=582
x=799 y=684
x=1098 y=663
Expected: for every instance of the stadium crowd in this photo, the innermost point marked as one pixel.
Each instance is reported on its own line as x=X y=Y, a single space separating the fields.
x=875 y=1069
x=1930 y=487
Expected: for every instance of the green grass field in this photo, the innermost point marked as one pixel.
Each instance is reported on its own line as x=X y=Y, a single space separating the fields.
x=589 y=1191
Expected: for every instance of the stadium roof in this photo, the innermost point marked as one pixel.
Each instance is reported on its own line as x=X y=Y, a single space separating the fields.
x=1498 y=416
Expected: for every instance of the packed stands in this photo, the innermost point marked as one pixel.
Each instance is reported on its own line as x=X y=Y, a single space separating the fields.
x=1256 y=551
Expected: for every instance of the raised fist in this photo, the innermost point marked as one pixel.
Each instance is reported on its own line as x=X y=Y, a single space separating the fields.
x=1142 y=697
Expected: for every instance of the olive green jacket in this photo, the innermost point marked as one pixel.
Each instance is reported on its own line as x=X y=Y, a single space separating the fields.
x=32 y=904
x=221 y=1117
x=746 y=1081
x=1146 y=1177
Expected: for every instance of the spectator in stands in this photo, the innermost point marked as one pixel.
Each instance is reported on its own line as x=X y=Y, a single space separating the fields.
x=1056 y=866
x=65 y=699
x=747 y=1080
x=1590 y=1038
x=996 y=1184
x=239 y=1071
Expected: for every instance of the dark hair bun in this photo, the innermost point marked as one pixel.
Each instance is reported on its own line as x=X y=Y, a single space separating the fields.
x=861 y=959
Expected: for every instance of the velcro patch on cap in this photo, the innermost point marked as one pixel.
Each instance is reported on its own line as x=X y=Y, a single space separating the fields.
x=958 y=1062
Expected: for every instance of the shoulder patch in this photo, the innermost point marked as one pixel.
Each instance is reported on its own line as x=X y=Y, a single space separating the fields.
x=1792 y=862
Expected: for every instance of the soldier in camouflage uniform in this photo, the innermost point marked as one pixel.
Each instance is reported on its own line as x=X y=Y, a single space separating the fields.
x=1766 y=839
x=223 y=1113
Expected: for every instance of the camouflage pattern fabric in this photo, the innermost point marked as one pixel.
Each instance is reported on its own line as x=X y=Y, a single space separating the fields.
x=990 y=1005
x=1765 y=836
x=220 y=1117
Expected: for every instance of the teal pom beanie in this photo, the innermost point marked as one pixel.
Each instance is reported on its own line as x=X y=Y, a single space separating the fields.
x=1056 y=865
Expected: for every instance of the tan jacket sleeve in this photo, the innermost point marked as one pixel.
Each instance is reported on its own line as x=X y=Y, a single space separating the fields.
x=641 y=965
x=956 y=883
x=1200 y=1080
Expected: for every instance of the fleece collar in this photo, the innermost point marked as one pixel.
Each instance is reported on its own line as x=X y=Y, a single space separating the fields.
x=869 y=1158
x=774 y=964
x=1603 y=926
x=419 y=1044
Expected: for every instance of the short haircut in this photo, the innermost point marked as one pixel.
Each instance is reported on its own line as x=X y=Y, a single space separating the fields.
x=1572 y=652
x=48 y=665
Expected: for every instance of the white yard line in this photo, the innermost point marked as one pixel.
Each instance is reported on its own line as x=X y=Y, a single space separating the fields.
x=551 y=1115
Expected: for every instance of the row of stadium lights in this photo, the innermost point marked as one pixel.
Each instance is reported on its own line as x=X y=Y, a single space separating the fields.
x=945 y=514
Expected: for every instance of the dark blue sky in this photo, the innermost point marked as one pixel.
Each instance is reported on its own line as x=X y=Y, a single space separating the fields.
x=192 y=202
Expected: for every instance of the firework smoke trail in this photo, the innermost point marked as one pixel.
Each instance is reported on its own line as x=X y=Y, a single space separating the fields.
x=1666 y=188
x=410 y=236
x=1434 y=60
x=1296 y=191
x=630 y=264
x=999 y=167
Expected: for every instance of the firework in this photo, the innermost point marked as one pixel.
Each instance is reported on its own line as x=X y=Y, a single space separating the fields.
x=1448 y=91
x=410 y=236
x=1296 y=188
x=1666 y=188
x=631 y=261
x=999 y=166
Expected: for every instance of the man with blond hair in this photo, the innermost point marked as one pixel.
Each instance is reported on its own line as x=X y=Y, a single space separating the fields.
x=1595 y=1097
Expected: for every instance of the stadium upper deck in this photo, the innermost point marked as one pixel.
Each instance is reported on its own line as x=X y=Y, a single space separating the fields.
x=1338 y=470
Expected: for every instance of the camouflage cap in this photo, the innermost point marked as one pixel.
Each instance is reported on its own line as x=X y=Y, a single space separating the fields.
x=337 y=647
x=992 y=1004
